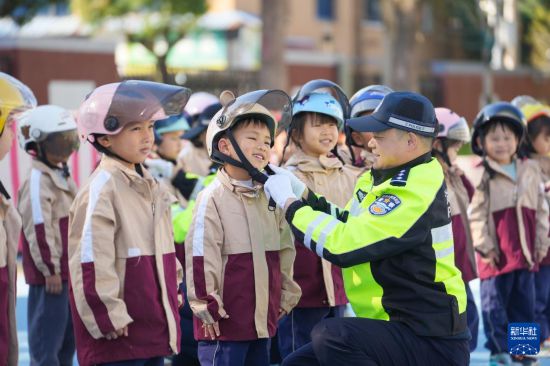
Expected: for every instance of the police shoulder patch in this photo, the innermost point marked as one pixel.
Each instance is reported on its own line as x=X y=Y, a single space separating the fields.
x=384 y=204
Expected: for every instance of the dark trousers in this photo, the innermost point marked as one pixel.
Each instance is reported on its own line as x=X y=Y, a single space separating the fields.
x=155 y=361
x=507 y=298
x=295 y=328
x=188 y=354
x=51 y=338
x=542 y=303
x=473 y=317
x=368 y=342
x=233 y=353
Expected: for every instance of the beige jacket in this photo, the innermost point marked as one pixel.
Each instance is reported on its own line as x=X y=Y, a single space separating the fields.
x=511 y=217
x=195 y=160
x=10 y=226
x=123 y=266
x=44 y=202
x=320 y=281
x=239 y=258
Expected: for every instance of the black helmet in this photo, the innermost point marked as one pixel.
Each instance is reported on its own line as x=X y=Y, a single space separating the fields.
x=501 y=111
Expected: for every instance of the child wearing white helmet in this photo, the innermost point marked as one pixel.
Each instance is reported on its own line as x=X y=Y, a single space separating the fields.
x=363 y=102
x=14 y=97
x=537 y=147
x=318 y=116
x=123 y=268
x=453 y=133
x=239 y=253
x=49 y=134
x=194 y=157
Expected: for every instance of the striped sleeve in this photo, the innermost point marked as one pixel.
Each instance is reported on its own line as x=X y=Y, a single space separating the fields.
x=203 y=258
x=363 y=238
x=44 y=250
x=92 y=256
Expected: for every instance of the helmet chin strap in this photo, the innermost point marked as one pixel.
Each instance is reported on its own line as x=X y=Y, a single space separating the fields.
x=444 y=153
x=112 y=154
x=42 y=157
x=254 y=173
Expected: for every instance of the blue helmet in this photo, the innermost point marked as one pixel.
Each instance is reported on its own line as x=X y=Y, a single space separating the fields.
x=368 y=98
x=322 y=103
x=170 y=124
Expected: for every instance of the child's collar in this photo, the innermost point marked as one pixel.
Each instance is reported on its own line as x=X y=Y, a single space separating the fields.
x=312 y=163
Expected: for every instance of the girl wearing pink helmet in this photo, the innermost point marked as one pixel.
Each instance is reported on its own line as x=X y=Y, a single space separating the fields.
x=123 y=269
x=453 y=133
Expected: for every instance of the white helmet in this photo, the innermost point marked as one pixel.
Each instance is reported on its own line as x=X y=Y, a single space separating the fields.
x=50 y=128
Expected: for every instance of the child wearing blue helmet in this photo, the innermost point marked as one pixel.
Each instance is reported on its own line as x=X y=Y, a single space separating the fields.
x=317 y=119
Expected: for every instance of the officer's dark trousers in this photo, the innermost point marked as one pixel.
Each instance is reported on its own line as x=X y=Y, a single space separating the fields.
x=367 y=342
x=506 y=298
x=542 y=304
x=295 y=328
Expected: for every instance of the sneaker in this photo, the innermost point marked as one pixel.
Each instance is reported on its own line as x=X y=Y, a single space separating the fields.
x=500 y=359
x=524 y=360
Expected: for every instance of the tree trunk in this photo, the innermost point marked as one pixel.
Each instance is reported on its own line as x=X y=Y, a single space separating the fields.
x=163 y=70
x=273 y=73
x=401 y=20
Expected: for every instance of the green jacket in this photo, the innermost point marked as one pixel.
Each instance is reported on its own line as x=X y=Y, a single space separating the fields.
x=395 y=245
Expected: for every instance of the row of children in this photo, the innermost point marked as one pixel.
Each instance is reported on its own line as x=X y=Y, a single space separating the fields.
x=245 y=278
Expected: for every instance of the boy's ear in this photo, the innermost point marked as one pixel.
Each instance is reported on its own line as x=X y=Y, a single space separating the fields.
x=105 y=141
x=223 y=145
x=478 y=141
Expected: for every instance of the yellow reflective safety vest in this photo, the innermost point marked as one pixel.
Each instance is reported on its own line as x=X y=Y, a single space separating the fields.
x=395 y=244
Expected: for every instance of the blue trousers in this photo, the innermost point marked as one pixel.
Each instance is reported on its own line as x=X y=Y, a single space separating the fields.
x=542 y=301
x=51 y=338
x=155 y=361
x=295 y=328
x=506 y=298
x=369 y=342
x=473 y=318
x=233 y=353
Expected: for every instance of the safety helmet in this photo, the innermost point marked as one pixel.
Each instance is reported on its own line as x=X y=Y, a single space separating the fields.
x=452 y=126
x=367 y=99
x=14 y=97
x=198 y=102
x=321 y=103
x=48 y=128
x=259 y=104
x=170 y=124
x=110 y=107
x=498 y=111
x=530 y=107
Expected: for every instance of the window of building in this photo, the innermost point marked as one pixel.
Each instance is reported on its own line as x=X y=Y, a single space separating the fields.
x=325 y=9
x=372 y=10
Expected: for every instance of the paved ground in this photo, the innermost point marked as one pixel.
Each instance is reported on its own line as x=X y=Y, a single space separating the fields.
x=479 y=357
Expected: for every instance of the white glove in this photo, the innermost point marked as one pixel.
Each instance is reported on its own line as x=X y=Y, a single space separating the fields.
x=159 y=168
x=279 y=188
x=298 y=187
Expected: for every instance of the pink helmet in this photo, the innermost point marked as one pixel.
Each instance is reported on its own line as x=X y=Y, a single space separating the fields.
x=198 y=103
x=452 y=126
x=108 y=108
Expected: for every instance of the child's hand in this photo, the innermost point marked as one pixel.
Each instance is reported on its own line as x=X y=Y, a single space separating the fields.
x=53 y=284
x=282 y=313
x=492 y=258
x=213 y=330
x=117 y=333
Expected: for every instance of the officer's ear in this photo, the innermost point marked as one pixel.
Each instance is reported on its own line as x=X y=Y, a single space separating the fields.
x=412 y=141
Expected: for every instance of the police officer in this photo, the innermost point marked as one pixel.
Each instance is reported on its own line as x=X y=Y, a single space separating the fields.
x=395 y=245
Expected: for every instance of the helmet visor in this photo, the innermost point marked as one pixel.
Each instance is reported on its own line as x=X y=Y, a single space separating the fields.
x=61 y=144
x=15 y=97
x=139 y=101
x=325 y=86
x=277 y=102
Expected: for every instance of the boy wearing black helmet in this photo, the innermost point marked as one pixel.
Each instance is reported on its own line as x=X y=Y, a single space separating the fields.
x=509 y=222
